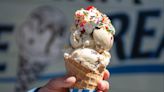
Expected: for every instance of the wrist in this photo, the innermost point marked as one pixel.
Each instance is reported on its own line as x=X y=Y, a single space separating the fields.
x=44 y=89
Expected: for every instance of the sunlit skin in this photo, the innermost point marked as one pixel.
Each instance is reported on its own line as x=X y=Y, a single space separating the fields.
x=63 y=83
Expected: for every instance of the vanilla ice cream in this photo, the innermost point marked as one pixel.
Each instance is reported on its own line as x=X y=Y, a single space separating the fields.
x=91 y=38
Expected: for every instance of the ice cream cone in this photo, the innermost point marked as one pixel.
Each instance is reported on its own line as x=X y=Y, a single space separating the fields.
x=90 y=40
x=86 y=78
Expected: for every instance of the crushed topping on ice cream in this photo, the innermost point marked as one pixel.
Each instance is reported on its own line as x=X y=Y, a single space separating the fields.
x=91 y=38
x=91 y=18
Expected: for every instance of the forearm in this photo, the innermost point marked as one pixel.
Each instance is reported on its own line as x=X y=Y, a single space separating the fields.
x=41 y=89
x=44 y=89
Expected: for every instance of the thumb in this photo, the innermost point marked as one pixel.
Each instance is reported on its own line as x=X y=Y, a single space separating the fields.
x=64 y=82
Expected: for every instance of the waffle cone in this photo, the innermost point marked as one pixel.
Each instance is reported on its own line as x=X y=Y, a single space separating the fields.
x=86 y=78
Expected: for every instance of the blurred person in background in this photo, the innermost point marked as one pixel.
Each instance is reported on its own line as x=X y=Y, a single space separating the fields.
x=39 y=41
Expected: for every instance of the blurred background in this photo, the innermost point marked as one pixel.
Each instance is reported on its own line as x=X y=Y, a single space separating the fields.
x=137 y=63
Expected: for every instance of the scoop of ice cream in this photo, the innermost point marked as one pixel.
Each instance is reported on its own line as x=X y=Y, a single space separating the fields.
x=92 y=29
x=86 y=55
x=90 y=58
x=77 y=40
x=91 y=38
x=103 y=39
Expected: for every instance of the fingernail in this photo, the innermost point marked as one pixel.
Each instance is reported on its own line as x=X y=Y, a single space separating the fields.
x=71 y=79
